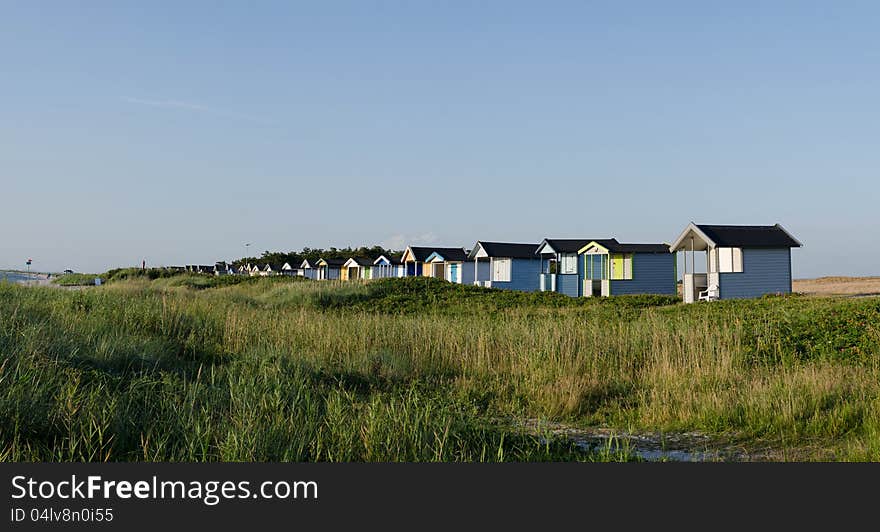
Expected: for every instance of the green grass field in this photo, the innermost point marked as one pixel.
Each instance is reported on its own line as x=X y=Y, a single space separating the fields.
x=190 y=368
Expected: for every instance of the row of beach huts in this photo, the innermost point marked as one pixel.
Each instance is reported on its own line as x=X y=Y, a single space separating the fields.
x=720 y=262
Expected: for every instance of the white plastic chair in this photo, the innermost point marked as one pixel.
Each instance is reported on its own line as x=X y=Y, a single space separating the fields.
x=709 y=294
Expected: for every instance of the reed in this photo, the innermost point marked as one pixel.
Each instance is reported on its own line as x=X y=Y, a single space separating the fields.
x=418 y=370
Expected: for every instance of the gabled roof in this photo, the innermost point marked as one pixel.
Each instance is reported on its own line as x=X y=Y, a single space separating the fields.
x=332 y=262
x=421 y=253
x=751 y=236
x=390 y=260
x=358 y=261
x=505 y=250
x=306 y=263
x=287 y=266
x=613 y=246
x=564 y=245
x=450 y=255
x=739 y=236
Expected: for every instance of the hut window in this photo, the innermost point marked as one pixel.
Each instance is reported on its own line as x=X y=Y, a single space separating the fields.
x=730 y=260
x=501 y=270
x=568 y=263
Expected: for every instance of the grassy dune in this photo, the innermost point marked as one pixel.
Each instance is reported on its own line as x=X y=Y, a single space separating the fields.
x=185 y=368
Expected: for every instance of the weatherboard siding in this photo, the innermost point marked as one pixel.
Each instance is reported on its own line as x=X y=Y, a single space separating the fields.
x=568 y=284
x=524 y=276
x=464 y=272
x=653 y=273
x=484 y=273
x=765 y=271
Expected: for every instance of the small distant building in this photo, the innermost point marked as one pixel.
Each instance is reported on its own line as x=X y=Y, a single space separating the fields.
x=512 y=266
x=561 y=270
x=207 y=270
x=270 y=270
x=356 y=268
x=386 y=267
x=221 y=268
x=414 y=259
x=741 y=261
x=289 y=270
x=452 y=265
x=329 y=269
x=613 y=268
x=309 y=269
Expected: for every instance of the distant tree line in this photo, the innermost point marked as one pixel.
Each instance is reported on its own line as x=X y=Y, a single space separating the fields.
x=295 y=258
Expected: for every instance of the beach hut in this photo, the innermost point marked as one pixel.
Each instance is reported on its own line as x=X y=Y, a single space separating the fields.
x=269 y=270
x=289 y=270
x=329 y=269
x=356 y=268
x=309 y=269
x=613 y=268
x=507 y=265
x=414 y=259
x=741 y=261
x=561 y=270
x=386 y=267
x=221 y=268
x=452 y=265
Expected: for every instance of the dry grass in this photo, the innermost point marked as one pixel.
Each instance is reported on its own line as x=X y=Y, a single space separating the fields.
x=253 y=372
x=831 y=286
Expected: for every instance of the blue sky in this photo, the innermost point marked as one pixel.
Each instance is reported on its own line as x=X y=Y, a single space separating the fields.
x=177 y=133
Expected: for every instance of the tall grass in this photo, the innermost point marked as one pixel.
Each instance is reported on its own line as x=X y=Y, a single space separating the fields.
x=420 y=370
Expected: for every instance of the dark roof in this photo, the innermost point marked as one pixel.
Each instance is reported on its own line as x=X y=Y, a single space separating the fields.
x=571 y=245
x=393 y=259
x=453 y=255
x=617 y=247
x=749 y=236
x=421 y=253
x=509 y=250
x=363 y=261
x=334 y=262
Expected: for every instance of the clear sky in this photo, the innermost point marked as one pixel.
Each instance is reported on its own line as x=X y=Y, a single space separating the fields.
x=176 y=132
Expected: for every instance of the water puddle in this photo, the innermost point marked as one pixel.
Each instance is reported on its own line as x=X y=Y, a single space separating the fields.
x=649 y=446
